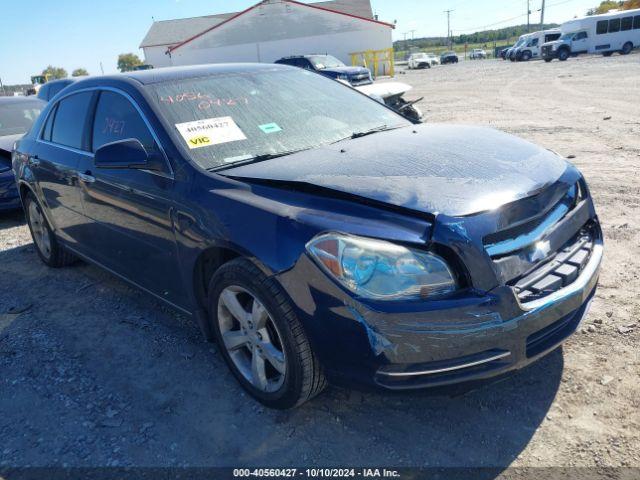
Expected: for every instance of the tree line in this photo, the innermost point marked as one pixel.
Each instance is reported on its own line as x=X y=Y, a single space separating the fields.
x=126 y=63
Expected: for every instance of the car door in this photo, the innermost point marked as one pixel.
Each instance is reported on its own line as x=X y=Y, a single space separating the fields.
x=579 y=43
x=61 y=146
x=128 y=211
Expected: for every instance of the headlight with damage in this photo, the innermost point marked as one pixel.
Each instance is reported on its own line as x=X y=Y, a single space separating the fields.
x=381 y=270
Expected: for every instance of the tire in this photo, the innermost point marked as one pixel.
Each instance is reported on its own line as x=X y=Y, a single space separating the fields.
x=526 y=56
x=626 y=48
x=49 y=249
x=548 y=59
x=563 y=54
x=269 y=325
x=607 y=54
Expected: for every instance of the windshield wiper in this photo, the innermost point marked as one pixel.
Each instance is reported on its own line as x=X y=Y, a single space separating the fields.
x=256 y=158
x=381 y=128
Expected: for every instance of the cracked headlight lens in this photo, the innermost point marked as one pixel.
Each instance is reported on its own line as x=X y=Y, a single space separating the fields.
x=381 y=270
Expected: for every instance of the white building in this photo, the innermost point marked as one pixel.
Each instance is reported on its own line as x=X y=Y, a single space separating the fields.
x=267 y=31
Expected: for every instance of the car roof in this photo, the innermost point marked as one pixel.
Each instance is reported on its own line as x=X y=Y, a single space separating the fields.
x=159 y=75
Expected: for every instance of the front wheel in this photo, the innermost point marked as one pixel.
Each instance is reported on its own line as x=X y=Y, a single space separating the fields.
x=260 y=337
x=526 y=56
x=607 y=54
x=563 y=55
x=626 y=48
x=47 y=246
x=548 y=59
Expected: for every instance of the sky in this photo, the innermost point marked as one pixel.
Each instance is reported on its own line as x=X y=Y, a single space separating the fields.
x=85 y=33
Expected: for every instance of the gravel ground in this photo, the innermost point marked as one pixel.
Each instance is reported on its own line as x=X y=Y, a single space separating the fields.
x=95 y=373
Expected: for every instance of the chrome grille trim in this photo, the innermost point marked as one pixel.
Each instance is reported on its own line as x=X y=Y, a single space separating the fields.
x=537 y=233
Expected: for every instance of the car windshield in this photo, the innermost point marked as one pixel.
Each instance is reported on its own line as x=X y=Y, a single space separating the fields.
x=234 y=118
x=325 y=61
x=567 y=36
x=17 y=118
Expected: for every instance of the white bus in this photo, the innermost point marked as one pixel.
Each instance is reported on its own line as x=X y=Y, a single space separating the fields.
x=618 y=31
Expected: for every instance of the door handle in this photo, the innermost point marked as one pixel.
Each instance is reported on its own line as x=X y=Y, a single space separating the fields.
x=86 y=177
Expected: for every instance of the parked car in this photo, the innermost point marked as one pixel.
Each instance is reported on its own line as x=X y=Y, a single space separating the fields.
x=608 y=33
x=477 y=54
x=17 y=114
x=510 y=53
x=419 y=60
x=313 y=232
x=448 y=57
x=503 y=53
x=433 y=59
x=331 y=67
x=50 y=89
x=392 y=95
x=530 y=48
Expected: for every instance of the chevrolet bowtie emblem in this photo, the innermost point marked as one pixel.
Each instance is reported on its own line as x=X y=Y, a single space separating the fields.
x=540 y=251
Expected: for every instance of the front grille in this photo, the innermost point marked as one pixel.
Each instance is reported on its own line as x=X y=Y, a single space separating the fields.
x=547 y=51
x=539 y=256
x=563 y=269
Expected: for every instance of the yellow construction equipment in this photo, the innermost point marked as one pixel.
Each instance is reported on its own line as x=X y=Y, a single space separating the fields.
x=379 y=62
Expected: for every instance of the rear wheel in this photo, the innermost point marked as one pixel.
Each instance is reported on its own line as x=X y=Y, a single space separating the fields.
x=607 y=54
x=261 y=338
x=626 y=48
x=548 y=59
x=47 y=246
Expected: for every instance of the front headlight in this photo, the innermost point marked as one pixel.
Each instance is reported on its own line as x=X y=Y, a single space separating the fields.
x=381 y=270
x=342 y=76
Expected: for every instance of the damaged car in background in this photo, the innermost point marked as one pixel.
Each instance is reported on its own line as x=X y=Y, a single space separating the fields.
x=17 y=114
x=316 y=234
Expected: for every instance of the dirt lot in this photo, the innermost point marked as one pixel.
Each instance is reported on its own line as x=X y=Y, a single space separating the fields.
x=95 y=373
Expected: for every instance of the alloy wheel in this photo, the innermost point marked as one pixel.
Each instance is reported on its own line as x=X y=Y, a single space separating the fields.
x=40 y=231
x=251 y=338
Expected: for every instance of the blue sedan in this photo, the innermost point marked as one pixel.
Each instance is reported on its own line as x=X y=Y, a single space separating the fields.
x=17 y=114
x=316 y=234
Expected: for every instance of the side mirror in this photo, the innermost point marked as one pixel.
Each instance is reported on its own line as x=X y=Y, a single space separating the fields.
x=127 y=153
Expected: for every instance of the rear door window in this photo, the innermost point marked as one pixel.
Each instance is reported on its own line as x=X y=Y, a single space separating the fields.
x=70 y=120
x=117 y=119
x=636 y=22
x=46 y=133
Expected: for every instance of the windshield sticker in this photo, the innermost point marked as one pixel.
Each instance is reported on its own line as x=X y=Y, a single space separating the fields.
x=270 y=128
x=210 y=131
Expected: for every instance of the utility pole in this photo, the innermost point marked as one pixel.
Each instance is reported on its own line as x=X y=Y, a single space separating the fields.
x=448 y=12
x=528 y=14
x=2 y=86
x=542 y=16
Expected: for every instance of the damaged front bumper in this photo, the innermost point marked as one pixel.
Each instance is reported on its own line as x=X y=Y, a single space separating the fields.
x=474 y=336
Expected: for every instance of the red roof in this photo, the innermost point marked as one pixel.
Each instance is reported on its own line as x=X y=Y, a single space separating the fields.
x=295 y=2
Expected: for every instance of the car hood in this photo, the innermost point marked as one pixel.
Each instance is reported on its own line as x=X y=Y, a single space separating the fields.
x=346 y=70
x=554 y=42
x=6 y=142
x=435 y=169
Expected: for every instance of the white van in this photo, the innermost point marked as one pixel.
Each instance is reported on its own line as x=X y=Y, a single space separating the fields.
x=607 y=33
x=531 y=48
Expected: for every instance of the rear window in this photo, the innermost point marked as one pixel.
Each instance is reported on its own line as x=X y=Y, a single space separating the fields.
x=636 y=22
x=226 y=119
x=70 y=120
x=17 y=117
x=627 y=23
